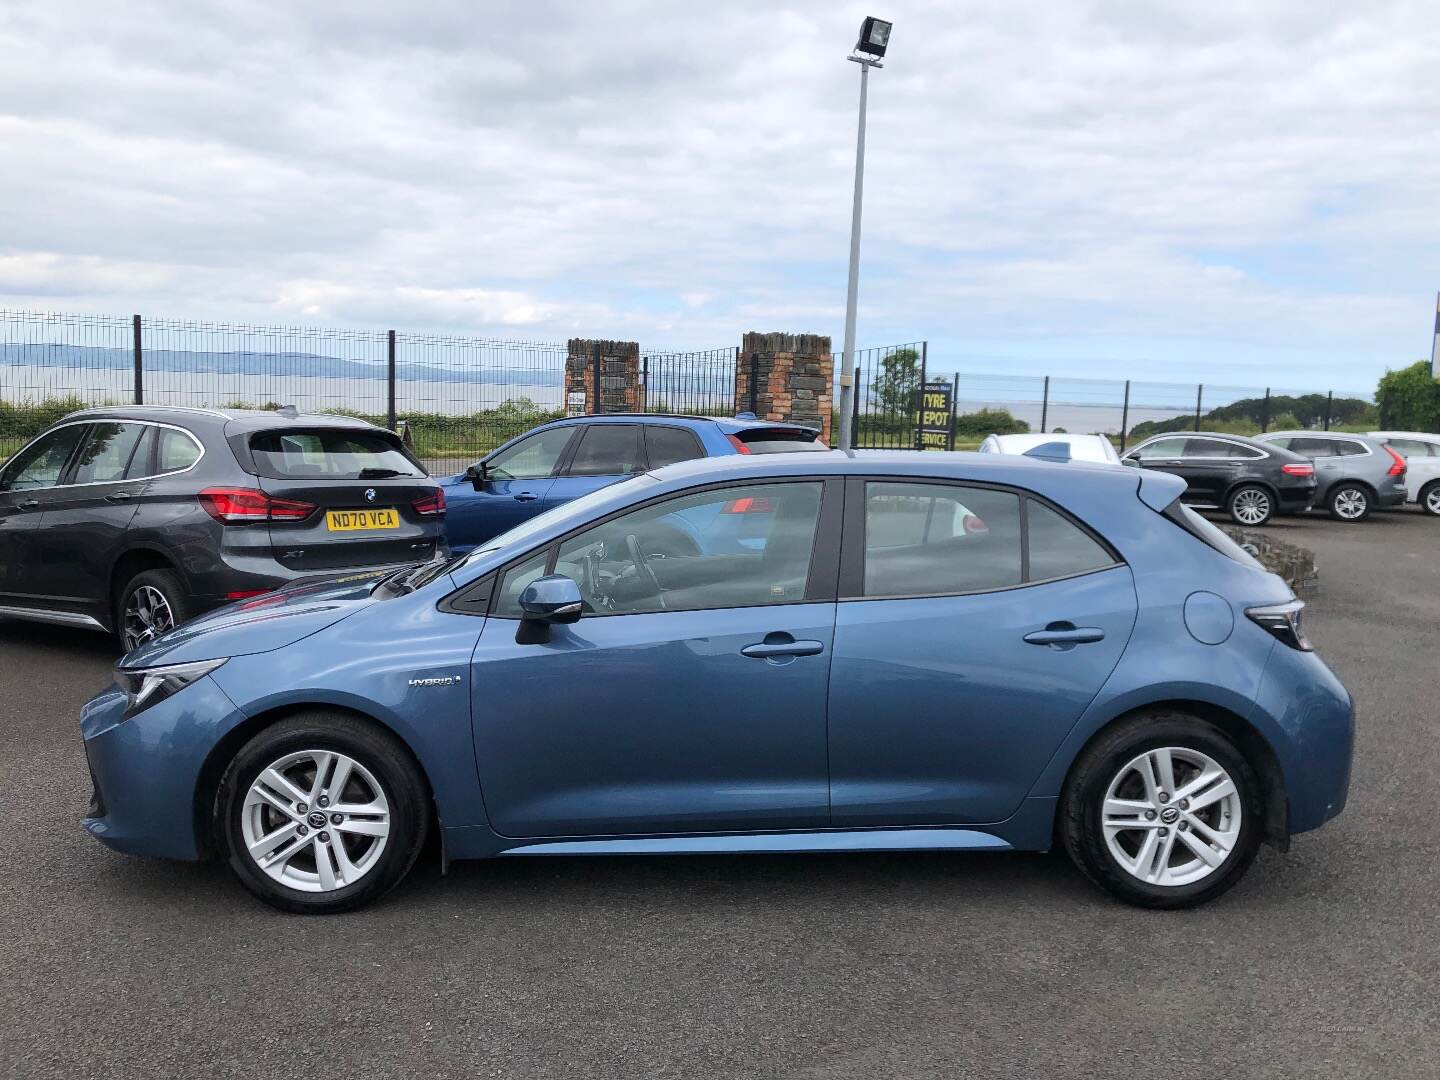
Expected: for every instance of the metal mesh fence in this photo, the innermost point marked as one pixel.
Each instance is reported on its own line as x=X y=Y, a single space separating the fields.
x=697 y=383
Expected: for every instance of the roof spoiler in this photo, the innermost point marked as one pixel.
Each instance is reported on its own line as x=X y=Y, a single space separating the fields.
x=1158 y=490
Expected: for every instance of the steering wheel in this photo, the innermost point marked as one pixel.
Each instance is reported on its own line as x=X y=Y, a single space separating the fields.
x=642 y=565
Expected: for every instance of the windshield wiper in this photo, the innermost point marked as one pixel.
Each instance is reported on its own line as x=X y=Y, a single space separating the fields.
x=379 y=474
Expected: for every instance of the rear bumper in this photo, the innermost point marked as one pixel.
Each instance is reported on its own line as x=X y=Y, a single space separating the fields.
x=1294 y=500
x=1393 y=498
x=236 y=573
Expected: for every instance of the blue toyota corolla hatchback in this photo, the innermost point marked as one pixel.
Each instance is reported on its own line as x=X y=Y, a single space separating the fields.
x=849 y=653
x=562 y=460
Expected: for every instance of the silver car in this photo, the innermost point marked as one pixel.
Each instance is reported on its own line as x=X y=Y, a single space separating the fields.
x=1354 y=474
x=1421 y=452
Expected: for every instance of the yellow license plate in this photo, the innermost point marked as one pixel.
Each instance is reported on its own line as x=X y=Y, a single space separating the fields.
x=361 y=520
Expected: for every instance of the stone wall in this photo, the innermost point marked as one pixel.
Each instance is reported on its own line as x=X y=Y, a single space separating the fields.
x=794 y=375
x=620 y=388
x=1291 y=561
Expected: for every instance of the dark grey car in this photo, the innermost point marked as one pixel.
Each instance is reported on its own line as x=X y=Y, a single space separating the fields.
x=1251 y=481
x=133 y=519
x=1354 y=473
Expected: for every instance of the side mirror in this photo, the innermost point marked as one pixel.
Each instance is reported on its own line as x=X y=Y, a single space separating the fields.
x=477 y=474
x=1134 y=463
x=546 y=601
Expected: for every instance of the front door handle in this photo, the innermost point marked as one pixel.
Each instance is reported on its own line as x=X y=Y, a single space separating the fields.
x=1064 y=635
x=29 y=504
x=120 y=497
x=781 y=645
x=526 y=496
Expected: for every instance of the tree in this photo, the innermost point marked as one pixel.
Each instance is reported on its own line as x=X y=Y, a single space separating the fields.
x=893 y=389
x=1410 y=398
x=977 y=425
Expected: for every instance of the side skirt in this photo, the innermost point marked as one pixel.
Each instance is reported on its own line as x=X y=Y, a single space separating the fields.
x=857 y=840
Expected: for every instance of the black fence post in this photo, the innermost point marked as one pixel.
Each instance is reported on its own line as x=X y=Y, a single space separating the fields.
x=1125 y=417
x=1329 y=407
x=859 y=377
x=1045 y=407
x=755 y=383
x=1199 y=395
x=390 y=379
x=645 y=382
x=1265 y=413
x=920 y=390
x=954 y=408
x=139 y=365
x=595 y=404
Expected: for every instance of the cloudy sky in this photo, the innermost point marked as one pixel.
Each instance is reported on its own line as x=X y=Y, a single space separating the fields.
x=1233 y=192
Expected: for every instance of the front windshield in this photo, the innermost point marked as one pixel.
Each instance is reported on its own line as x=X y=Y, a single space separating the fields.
x=522 y=533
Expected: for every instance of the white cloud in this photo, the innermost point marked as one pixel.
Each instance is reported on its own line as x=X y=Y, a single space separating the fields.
x=1132 y=182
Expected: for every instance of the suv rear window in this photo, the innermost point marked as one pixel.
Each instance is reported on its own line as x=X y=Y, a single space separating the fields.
x=779 y=440
x=330 y=455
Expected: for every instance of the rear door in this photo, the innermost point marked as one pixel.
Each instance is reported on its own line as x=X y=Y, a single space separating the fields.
x=347 y=498
x=86 y=517
x=1321 y=451
x=603 y=454
x=1209 y=467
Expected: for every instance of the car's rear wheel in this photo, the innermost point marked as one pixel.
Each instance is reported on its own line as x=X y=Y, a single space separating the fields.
x=321 y=813
x=1430 y=498
x=151 y=603
x=1349 y=502
x=1162 y=811
x=1251 y=505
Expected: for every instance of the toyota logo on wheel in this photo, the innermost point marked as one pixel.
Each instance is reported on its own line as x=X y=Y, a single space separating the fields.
x=369 y=494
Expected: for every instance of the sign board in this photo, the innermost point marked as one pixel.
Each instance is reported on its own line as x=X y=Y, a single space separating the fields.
x=575 y=403
x=933 y=417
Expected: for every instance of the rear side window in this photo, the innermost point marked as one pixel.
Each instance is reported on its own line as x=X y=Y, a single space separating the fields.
x=329 y=455
x=106 y=453
x=929 y=539
x=1347 y=448
x=607 y=450
x=1218 y=448
x=1313 y=448
x=667 y=445
x=1059 y=547
x=778 y=441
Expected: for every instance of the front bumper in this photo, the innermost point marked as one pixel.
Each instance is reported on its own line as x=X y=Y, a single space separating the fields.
x=145 y=769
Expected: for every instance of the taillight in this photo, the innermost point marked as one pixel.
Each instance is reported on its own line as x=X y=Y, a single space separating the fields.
x=245 y=594
x=740 y=447
x=974 y=525
x=1398 y=468
x=1283 y=621
x=430 y=505
x=1298 y=469
x=748 y=505
x=244 y=506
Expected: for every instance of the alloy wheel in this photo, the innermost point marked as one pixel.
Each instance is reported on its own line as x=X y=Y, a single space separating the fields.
x=1432 y=499
x=1351 y=504
x=1171 y=816
x=315 y=821
x=1252 y=507
x=147 y=616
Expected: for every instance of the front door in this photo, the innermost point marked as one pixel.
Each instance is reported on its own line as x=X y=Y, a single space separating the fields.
x=26 y=486
x=691 y=695
x=517 y=480
x=960 y=664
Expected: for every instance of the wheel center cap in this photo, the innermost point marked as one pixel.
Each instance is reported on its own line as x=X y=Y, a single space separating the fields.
x=316 y=820
x=1169 y=815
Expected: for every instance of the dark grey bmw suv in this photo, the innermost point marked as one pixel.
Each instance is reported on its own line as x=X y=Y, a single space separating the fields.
x=133 y=519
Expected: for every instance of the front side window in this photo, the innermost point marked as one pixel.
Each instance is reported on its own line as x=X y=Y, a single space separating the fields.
x=106 y=453
x=40 y=464
x=330 y=455
x=930 y=539
x=507 y=599
x=531 y=458
x=738 y=546
x=607 y=450
x=1161 y=448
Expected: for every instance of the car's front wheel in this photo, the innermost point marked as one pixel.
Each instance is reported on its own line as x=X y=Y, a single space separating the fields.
x=322 y=812
x=1250 y=505
x=1162 y=811
x=1349 y=502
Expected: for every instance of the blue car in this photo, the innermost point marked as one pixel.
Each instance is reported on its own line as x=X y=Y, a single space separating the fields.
x=556 y=462
x=901 y=651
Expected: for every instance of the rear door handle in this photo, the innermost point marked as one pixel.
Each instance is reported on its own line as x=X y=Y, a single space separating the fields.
x=120 y=497
x=1065 y=635
x=30 y=504
x=782 y=644
x=526 y=496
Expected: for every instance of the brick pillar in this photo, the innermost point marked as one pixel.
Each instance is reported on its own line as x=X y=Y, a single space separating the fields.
x=620 y=388
x=794 y=377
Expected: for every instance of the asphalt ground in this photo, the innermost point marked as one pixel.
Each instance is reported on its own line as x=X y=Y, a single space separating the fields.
x=1323 y=963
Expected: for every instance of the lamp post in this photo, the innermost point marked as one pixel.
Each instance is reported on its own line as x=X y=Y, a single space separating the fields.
x=874 y=37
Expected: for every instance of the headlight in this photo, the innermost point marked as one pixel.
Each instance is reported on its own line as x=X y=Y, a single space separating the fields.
x=149 y=686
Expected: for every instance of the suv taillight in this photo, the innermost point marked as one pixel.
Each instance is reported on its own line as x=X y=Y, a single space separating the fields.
x=740 y=447
x=1298 y=469
x=244 y=506
x=430 y=505
x=1398 y=467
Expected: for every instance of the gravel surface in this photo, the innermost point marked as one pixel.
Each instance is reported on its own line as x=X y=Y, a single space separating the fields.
x=1323 y=962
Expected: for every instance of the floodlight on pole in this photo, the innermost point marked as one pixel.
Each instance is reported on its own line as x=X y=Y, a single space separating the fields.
x=874 y=39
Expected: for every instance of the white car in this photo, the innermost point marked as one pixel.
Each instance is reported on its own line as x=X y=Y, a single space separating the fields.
x=1094 y=448
x=1422 y=465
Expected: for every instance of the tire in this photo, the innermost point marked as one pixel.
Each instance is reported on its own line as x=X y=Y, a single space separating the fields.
x=1250 y=505
x=381 y=773
x=151 y=602
x=1430 y=498
x=1349 y=502
x=1107 y=768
